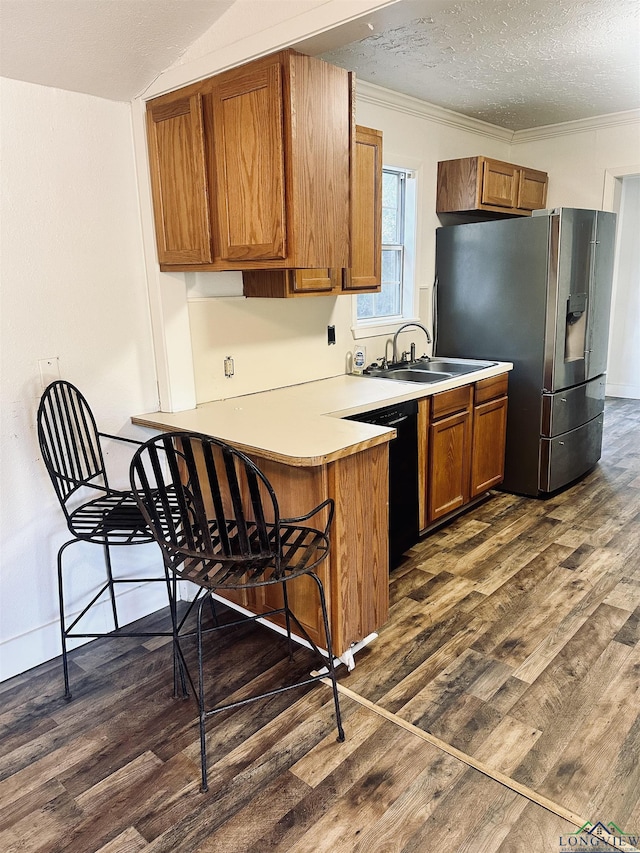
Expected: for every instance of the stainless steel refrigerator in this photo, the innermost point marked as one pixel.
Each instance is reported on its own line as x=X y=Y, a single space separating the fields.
x=535 y=291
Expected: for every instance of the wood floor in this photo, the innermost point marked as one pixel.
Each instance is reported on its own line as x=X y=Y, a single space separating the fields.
x=513 y=639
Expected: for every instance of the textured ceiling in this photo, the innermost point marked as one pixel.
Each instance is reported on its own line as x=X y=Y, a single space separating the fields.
x=514 y=63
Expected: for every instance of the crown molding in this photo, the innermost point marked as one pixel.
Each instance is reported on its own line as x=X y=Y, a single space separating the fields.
x=585 y=125
x=378 y=96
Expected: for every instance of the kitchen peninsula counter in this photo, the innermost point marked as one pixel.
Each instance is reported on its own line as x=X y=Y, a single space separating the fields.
x=298 y=437
x=302 y=425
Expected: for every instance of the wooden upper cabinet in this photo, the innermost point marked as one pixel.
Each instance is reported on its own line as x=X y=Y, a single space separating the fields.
x=178 y=180
x=366 y=214
x=364 y=274
x=475 y=184
x=248 y=151
x=273 y=141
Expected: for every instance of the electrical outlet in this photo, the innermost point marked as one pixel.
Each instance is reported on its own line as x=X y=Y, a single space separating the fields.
x=49 y=370
x=331 y=335
x=228 y=367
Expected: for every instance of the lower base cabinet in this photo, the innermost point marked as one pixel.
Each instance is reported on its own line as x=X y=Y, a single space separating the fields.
x=462 y=444
x=489 y=434
x=449 y=451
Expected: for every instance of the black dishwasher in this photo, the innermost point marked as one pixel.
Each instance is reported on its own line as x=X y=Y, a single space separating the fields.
x=403 y=473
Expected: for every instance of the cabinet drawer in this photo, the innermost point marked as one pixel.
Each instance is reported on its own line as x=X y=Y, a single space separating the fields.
x=492 y=388
x=448 y=402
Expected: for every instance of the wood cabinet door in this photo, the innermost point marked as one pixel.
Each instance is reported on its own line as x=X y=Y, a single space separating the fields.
x=499 y=184
x=449 y=464
x=314 y=281
x=321 y=153
x=532 y=189
x=489 y=436
x=366 y=214
x=249 y=164
x=179 y=180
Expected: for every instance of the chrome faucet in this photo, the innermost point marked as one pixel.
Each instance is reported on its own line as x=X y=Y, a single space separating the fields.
x=413 y=346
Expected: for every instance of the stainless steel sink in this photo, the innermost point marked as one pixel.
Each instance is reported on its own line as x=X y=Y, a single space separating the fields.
x=428 y=370
x=450 y=366
x=408 y=374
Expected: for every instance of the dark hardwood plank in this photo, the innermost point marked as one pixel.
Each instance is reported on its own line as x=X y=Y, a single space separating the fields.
x=129 y=841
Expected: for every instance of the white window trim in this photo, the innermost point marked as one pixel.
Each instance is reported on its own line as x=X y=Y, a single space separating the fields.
x=373 y=328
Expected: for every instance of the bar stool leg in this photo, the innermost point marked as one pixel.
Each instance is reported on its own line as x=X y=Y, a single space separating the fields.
x=287 y=616
x=63 y=632
x=331 y=666
x=201 y=705
x=107 y=561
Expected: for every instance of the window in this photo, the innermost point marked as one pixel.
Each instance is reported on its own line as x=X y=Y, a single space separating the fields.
x=395 y=302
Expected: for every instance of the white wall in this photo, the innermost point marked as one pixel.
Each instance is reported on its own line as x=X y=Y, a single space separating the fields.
x=578 y=155
x=73 y=287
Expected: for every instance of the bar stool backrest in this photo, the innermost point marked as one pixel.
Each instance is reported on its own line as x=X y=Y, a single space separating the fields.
x=207 y=501
x=69 y=442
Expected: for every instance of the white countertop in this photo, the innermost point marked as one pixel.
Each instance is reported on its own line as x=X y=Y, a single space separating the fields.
x=302 y=425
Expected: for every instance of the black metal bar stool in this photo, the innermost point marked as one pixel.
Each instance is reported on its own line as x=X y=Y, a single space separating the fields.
x=71 y=449
x=228 y=535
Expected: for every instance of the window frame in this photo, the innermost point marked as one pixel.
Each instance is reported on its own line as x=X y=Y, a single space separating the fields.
x=409 y=293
